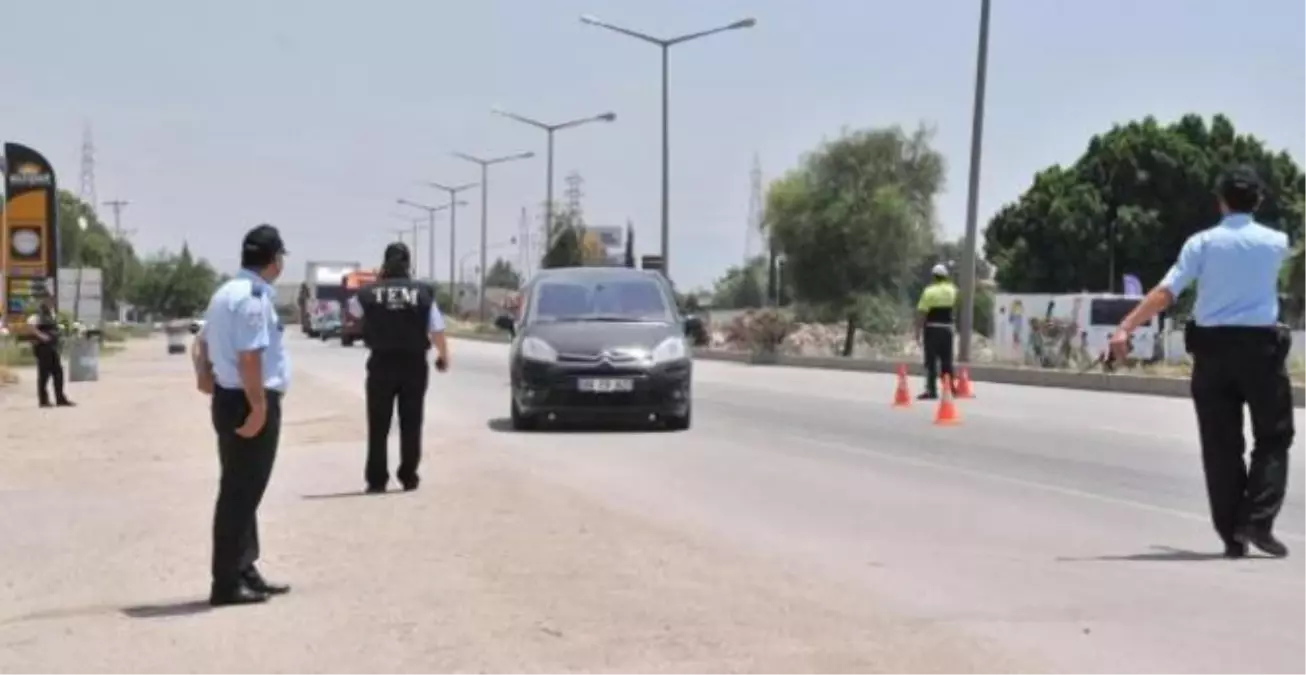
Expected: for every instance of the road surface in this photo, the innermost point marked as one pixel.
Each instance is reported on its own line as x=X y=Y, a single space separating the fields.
x=802 y=525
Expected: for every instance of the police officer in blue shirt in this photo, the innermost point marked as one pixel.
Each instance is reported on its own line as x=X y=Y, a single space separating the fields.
x=241 y=361
x=401 y=323
x=1240 y=357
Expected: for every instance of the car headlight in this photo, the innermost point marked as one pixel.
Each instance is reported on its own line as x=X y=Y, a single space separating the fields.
x=671 y=349
x=536 y=349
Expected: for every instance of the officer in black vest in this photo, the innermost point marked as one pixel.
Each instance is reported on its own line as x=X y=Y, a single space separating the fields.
x=400 y=324
x=44 y=330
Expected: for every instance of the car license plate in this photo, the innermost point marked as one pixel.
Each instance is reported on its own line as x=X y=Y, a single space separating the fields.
x=606 y=385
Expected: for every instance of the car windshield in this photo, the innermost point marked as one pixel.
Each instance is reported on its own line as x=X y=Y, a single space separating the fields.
x=601 y=300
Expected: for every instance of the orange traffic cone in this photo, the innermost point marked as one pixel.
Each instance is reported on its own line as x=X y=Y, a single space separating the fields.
x=901 y=395
x=947 y=413
x=964 y=389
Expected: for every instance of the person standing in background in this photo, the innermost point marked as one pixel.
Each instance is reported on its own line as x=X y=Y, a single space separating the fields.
x=934 y=321
x=43 y=327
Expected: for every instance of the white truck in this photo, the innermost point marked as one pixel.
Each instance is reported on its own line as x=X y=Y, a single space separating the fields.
x=321 y=295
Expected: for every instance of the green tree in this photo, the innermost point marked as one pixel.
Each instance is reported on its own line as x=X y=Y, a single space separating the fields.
x=173 y=286
x=94 y=247
x=502 y=275
x=565 y=242
x=856 y=217
x=742 y=286
x=1154 y=182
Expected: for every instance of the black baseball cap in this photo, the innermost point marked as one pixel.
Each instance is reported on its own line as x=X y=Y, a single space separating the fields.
x=264 y=239
x=1239 y=180
x=397 y=252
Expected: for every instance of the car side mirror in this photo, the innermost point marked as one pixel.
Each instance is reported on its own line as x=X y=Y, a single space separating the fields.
x=505 y=323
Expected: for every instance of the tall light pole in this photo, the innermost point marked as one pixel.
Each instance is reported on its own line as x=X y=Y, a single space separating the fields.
x=666 y=44
x=965 y=327
x=415 y=224
x=485 y=187
x=549 y=129
x=430 y=214
x=453 y=225
x=121 y=236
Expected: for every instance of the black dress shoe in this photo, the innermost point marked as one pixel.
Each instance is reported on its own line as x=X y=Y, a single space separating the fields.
x=66 y=404
x=1263 y=540
x=255 y=582
x=237 y=595
x=375 y=489
x=1234 y=550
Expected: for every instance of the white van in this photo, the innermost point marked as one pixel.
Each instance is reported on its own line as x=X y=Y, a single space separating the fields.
x=1064 y=330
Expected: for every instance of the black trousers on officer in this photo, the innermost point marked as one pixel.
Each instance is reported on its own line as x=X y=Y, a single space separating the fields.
x=938 y=344
x=49 y=369
x=1233 y=367
x=395 y=377
x=246 y=468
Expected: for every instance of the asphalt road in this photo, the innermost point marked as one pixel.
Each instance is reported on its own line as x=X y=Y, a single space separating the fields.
x=802 y=525
x=1066 y=529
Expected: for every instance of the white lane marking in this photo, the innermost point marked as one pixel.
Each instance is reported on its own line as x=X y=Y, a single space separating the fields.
x=1034 y=485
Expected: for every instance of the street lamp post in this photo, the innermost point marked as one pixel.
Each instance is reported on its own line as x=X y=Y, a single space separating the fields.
x=430 y=214
x=965 y=326
x=453 y=225
x=415 y=224
x=82 y=225
x=485 y=185
x=549 y=129
x=666 y=44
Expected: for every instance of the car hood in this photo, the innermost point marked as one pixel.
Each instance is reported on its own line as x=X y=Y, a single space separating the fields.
x=593 y=337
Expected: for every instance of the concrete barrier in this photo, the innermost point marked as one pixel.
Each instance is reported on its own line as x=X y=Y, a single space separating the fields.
x=1152 y=385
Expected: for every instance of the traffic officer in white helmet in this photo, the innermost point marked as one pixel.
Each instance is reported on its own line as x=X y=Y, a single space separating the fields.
x=934 y=328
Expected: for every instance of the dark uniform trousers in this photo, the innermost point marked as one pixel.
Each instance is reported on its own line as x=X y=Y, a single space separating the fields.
x=938 y=344
x=402 y=377
x=1233 y=367
x=246 y=468
x=49 y=369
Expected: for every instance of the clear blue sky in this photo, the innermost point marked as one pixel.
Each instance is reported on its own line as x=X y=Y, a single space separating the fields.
x=315 y=115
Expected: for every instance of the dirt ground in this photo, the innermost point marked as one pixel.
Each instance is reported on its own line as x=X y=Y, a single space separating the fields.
x=106 y=510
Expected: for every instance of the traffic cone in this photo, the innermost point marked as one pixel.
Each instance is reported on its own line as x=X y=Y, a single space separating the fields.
x=901 y=395
x=964 y=389
x=947 y=413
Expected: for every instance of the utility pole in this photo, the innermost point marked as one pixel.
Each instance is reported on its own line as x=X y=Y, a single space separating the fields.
x=453 y=191
x=120 y=235
x=966 y=325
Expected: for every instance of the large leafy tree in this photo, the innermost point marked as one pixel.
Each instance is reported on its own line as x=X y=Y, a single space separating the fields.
x=854 y=219
x=1155 y=183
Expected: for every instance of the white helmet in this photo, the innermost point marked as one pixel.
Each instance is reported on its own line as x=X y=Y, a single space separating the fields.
x=940 y=270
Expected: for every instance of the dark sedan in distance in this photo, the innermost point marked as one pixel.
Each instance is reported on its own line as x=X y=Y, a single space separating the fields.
x=600 y=342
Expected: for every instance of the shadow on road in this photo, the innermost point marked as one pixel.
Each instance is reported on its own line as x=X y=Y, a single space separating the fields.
x=1158 y=554
x=346 y=495
x=503 y=425
x=166 y=610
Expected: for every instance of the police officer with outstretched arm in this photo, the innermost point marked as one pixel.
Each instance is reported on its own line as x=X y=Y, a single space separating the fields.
x=1240 y=355
x=934 y=321
x=240 y=360
x=400 y=324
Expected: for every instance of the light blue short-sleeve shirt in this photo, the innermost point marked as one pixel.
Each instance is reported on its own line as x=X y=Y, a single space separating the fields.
x=1236 y=267
x=242 y=317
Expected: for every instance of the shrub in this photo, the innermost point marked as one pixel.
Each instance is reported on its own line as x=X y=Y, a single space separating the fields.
x=761 y=331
